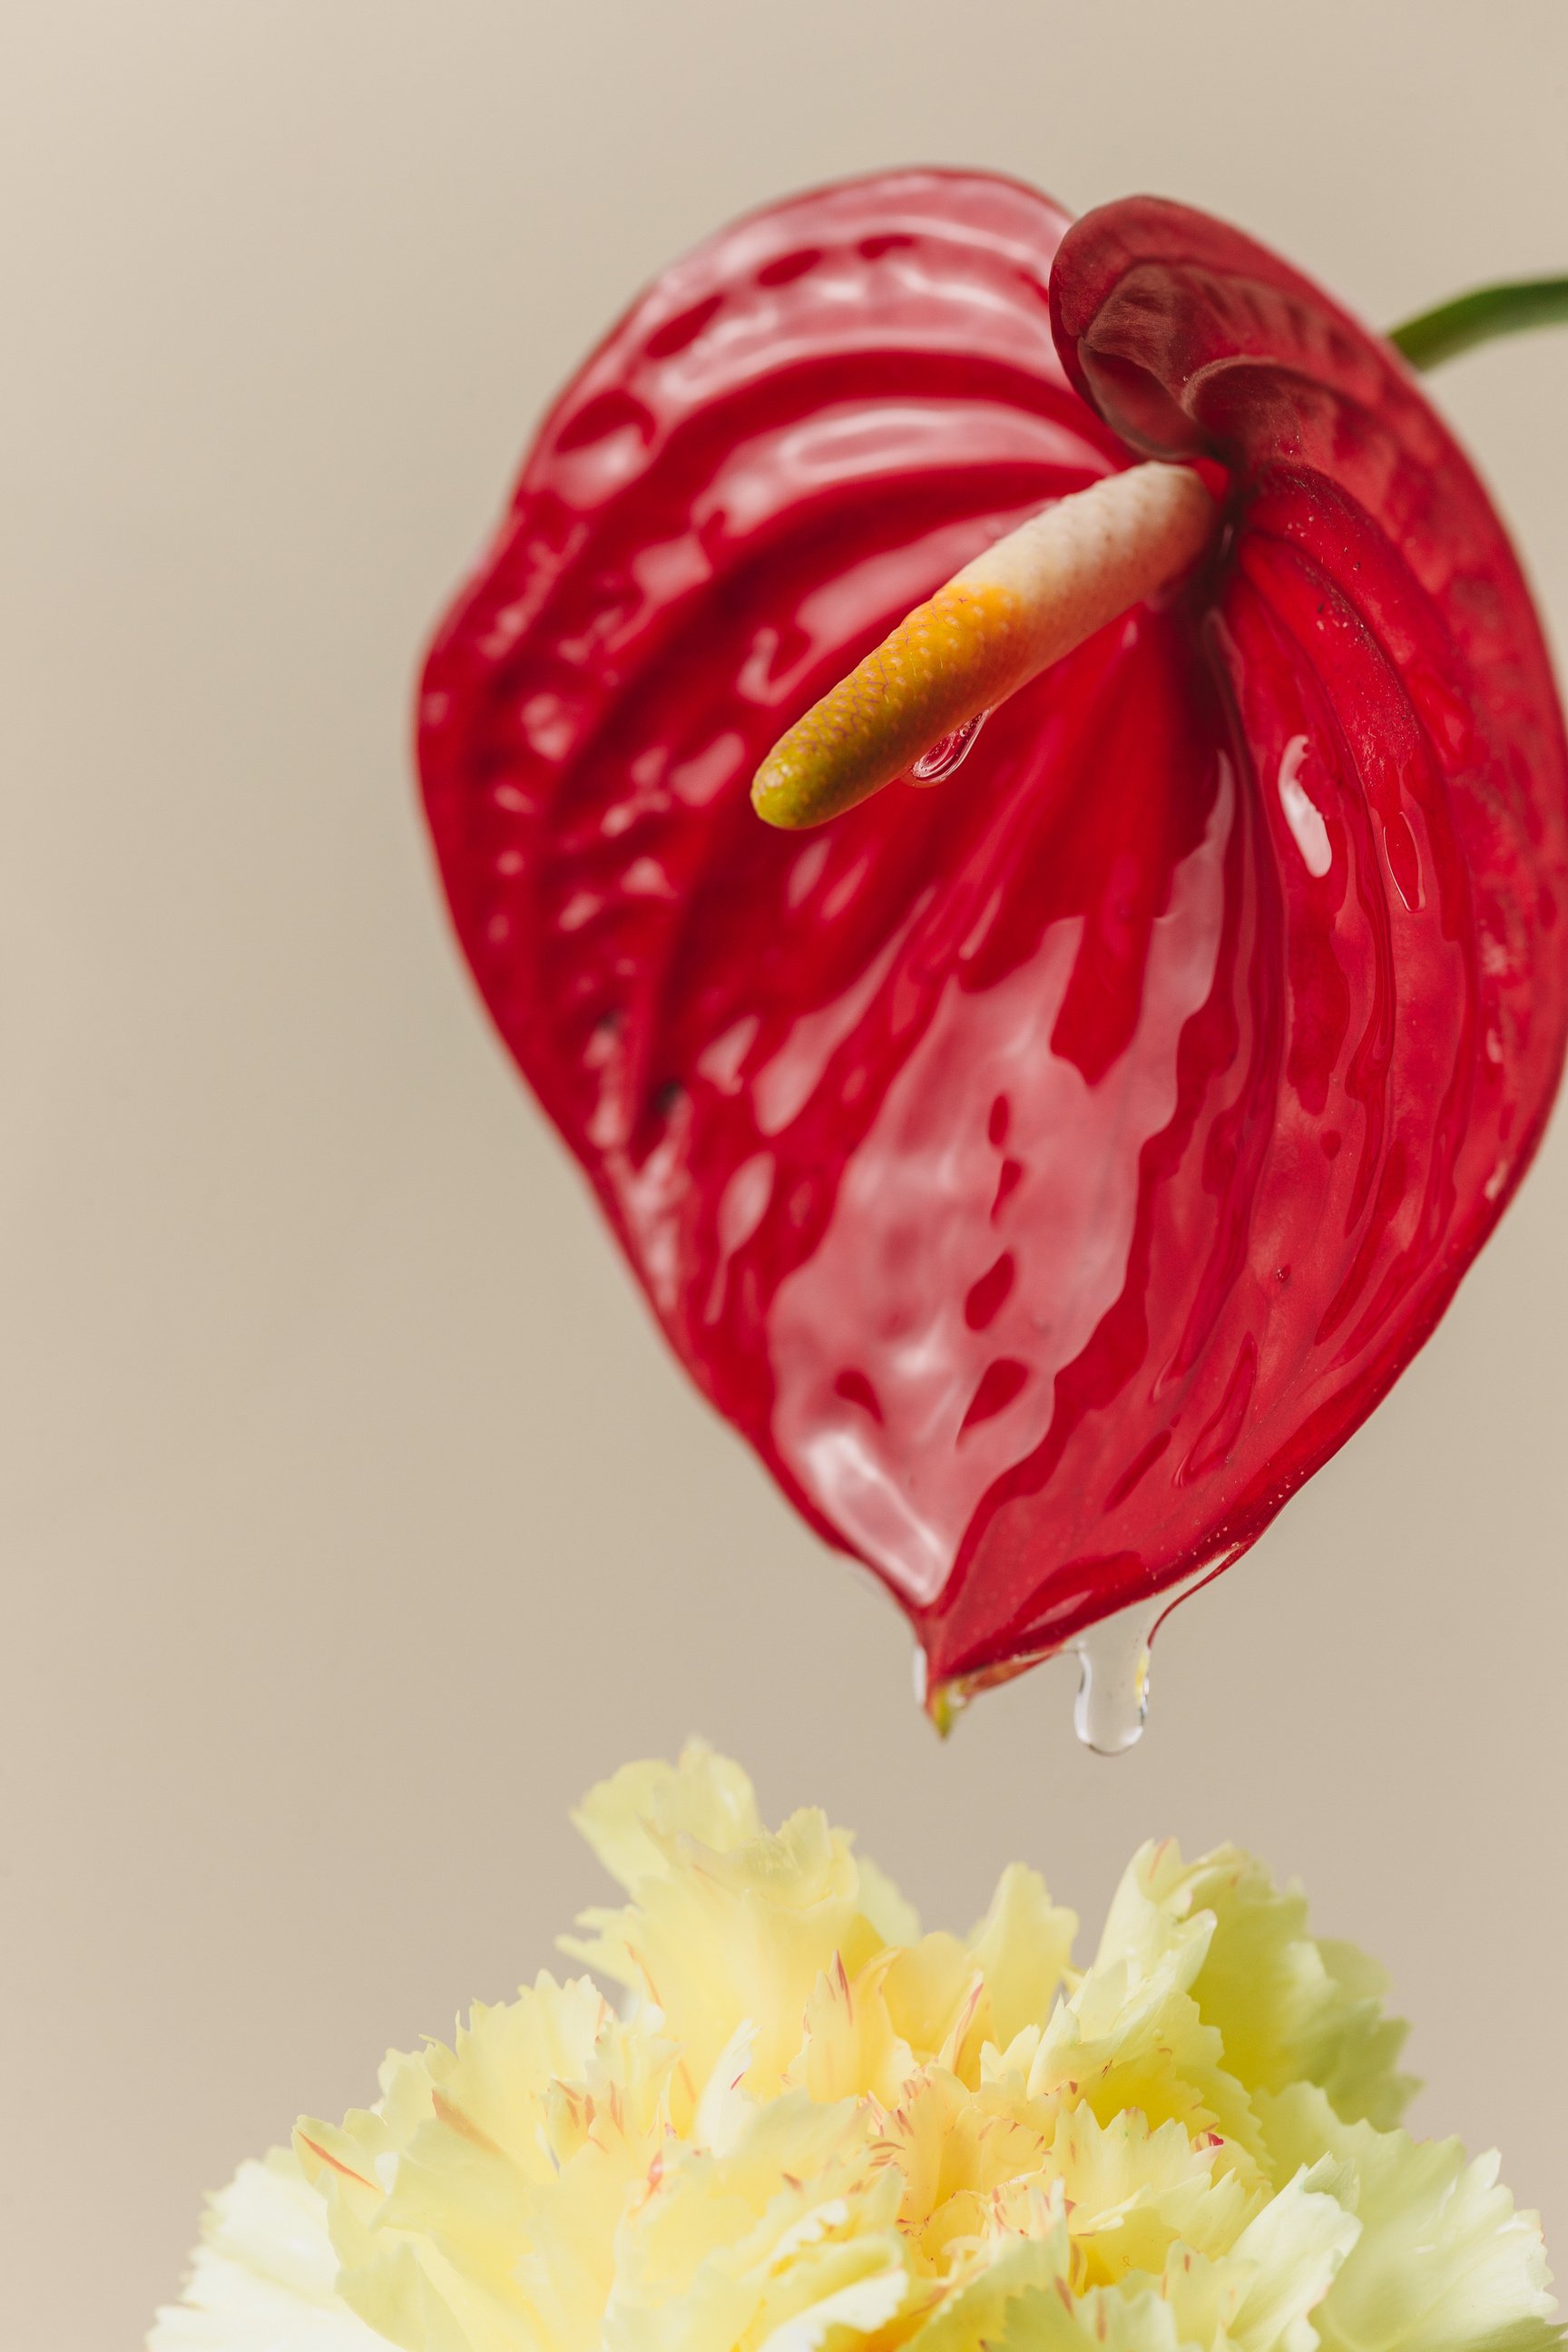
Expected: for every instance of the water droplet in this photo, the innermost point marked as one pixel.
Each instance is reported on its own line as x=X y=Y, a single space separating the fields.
x=1113 y=1668
x=1113 y=1680
x=949 y=751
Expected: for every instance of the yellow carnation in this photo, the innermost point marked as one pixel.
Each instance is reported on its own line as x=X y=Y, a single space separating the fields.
x=806 y=2128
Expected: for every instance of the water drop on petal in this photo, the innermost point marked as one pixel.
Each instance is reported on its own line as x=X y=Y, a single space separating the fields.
x=948 y=753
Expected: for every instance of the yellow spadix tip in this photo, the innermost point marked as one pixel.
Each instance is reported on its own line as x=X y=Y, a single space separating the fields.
x=1023 y=603
x=952 y=657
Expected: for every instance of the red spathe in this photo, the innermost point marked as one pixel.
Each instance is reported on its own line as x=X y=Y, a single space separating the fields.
x=1047 y=1171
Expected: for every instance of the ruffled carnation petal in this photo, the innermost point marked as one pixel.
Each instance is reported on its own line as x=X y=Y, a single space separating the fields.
x=264 y=2277
x=1443 y=2263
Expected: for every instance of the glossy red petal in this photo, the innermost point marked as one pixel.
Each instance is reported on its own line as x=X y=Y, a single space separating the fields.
x=1047 y=1171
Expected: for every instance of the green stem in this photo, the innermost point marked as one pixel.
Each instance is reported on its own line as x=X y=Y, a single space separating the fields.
x=1471 y=318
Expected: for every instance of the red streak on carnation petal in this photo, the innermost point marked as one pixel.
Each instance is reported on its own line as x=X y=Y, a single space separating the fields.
x=337 y=2164
x=1047 y=1172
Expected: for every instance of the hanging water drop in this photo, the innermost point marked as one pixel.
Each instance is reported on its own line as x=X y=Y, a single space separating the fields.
x=1113 y=1679
x=948 y=753
x=1113 y=1666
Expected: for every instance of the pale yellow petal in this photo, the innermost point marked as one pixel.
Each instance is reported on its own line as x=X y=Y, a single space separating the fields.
x=1021 y=2280
x=264 y=2277
x=1023 y=1947
x=741 y=1935
x=1444 y=2264
x=1118 y=2319
x=1287 y=2005
x=929 y=1989
x=849 y=2048
x=1295 y=2246
x=632 y=1820
x=1133 y=2194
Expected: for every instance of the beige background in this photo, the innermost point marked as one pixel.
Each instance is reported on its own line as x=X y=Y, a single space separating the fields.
x=353 y=1517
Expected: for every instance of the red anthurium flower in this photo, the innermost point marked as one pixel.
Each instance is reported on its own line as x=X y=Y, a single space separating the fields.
x=1048 y=1170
